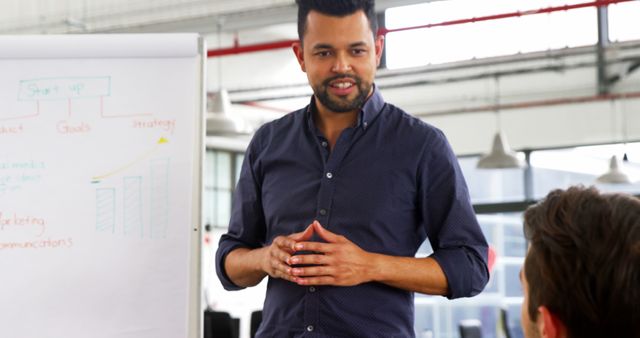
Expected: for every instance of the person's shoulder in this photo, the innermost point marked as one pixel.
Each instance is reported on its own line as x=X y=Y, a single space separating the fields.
x=412 y=125
x=279 y=127
x=422 y=137
x=283 y=123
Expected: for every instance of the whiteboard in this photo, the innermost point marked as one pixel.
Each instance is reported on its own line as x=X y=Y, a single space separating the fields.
x=101 y=143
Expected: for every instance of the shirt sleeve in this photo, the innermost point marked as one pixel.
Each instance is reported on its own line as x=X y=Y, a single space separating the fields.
x=247 y=224
x=458 y=243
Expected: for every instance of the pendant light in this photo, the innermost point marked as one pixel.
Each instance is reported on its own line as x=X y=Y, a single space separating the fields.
x=616 y=173
x=219 y=120
x=501 y=156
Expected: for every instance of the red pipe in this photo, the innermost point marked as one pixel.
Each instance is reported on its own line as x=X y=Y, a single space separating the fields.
x=236 y=49
x=598 y=3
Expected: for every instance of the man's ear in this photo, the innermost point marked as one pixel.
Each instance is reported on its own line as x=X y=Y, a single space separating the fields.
x=298 y=51
x=379 y=44
x=549 y=325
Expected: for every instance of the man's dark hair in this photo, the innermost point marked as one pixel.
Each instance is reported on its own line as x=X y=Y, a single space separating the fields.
x=338 y=8
x=583 y=262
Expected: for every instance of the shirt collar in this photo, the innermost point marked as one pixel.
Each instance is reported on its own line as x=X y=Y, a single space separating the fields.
x=370 y=110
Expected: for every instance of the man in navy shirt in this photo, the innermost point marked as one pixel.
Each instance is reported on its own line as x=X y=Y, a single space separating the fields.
x=334 y=200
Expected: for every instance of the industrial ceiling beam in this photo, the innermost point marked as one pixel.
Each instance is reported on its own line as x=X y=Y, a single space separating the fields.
x=601 y=48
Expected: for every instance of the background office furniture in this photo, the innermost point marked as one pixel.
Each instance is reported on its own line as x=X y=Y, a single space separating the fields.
x=256 y=319
x=218 y=324
x=504 y=318
x=470 y=328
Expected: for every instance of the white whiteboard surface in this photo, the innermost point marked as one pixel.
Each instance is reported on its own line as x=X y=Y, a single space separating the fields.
x=101 y=139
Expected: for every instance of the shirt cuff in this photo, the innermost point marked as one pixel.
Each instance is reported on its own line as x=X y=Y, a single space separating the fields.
x=466 y=273
x=221 y=254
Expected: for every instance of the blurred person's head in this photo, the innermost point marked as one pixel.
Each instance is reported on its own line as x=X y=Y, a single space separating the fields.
x=581 y=276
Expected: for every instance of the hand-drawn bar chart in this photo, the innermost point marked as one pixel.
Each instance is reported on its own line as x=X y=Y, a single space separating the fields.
x=159 y=198
x=133 y=196
x=106 y=210
x=132 y=206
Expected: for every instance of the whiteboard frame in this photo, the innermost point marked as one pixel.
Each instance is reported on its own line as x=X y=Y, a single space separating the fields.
x=196 y=311
x=46 y=47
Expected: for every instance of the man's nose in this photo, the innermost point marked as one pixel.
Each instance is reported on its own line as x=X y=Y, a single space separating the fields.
x=342 y=64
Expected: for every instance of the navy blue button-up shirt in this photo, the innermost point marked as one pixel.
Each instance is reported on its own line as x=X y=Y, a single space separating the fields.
x=390 y=182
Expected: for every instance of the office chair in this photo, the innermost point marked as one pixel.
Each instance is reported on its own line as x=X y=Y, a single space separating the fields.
x=220 y=325
x=504 y=316
x=470 y=328
x=256 y=319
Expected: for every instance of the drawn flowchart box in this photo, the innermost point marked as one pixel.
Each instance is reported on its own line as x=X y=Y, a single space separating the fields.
x=58 y=94
x=64 y=88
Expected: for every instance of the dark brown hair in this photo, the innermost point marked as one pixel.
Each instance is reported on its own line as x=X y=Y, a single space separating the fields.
x=336 y=8
x=583 y=262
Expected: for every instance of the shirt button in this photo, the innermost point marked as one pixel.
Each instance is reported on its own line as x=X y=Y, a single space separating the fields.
x=329 y=175
x=323 y=212
x=324 y=144
x=310 y=328
x=312 y=289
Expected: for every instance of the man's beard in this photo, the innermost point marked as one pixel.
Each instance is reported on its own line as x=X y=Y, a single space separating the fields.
x=342 y=104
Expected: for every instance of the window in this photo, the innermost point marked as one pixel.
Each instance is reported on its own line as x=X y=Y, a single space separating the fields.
x=577 y=27
x=221 y=173
x=623 y=19
x=441 y=316
x=561 y=168
x=492 y=186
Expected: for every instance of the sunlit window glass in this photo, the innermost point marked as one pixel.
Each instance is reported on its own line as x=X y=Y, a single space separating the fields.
x=508 y=36
x=623 y=21
x=220 y=176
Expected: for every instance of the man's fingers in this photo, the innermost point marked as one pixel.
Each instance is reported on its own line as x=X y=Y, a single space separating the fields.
x=312 y=271
x=308 y=259
x=280 y=255
x=285 y=243
x=326 y=234
x=281 y=270
x=304 y=235
x=314 y=275
x=314 y=246
x=318 y=280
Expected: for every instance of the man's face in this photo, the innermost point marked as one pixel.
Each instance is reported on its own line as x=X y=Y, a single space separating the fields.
x=340 y=57
x=529 y=327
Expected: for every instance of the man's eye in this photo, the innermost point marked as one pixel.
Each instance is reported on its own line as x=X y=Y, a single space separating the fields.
x=323 y=53
x=358 y=51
